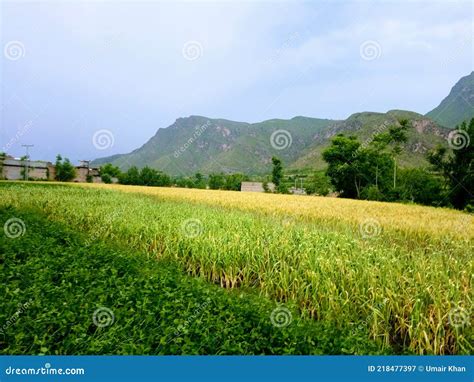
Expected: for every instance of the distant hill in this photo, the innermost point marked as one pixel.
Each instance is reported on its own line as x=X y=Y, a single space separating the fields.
x=423 y=135
x=206 y=145
x=458 y=106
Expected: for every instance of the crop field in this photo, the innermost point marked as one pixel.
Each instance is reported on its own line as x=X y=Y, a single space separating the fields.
x=345 y=276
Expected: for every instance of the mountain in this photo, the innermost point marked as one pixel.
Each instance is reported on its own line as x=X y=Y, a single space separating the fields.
x=200 y=144
x=423 y=135
x=209 y=145
x=206 y=145
x=458 y=106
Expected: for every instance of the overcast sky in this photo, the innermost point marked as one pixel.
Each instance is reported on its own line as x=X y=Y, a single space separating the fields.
x=71 y=69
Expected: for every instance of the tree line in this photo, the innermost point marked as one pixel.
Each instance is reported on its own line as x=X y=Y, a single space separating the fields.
x=368 y=170
x=372 y=172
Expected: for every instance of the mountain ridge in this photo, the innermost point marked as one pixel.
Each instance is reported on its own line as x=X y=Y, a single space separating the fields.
x=200 y=144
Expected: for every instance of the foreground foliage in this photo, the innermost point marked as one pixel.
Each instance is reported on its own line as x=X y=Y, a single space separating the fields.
x=52 y=282
x=392 y=271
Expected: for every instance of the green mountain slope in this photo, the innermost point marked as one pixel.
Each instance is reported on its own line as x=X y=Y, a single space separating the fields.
x=200 y=144
x=458 y=106
x=217 y=145
x=423 y=135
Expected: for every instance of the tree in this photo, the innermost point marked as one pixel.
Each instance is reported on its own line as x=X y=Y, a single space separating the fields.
x=132 y=176
x=65 y=171
x=419 y=186
x=216 y=181
x=277 y=173
x=457 y=168
x=110 y=169
x=233 y=182
x=199 y=181
x=395 y=136
x=352 y=168
x=318 y=184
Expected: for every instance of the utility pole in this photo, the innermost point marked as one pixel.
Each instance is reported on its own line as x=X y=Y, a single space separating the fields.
x=27 y=147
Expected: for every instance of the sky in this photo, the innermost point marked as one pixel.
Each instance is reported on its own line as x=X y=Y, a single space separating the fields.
x=93 y=79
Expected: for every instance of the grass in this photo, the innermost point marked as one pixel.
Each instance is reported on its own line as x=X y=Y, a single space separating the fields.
x=393 y=272
x=54 y=280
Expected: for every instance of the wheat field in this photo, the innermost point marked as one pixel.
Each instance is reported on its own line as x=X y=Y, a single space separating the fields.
x=403 y=273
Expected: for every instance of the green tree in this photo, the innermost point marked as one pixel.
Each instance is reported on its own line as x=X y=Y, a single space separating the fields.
x=277 y=173
x=352 y=168
x=199 y=181
x=131 y=176
x=395 y=136
x=419 y=186
x=457 y=168
x=318 y=184
x=216 y=181
x=65 y=171
x=233 y=182
x=110 y=169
